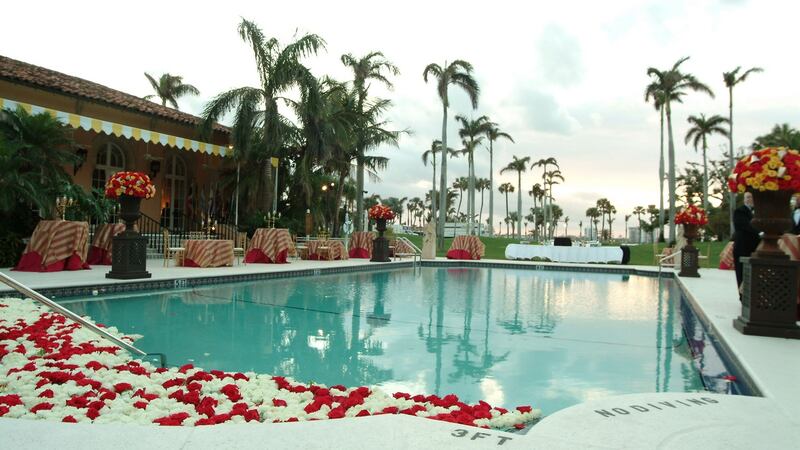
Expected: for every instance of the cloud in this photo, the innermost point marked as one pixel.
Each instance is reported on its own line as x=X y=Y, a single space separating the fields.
x=540 y=111
x=559 y=57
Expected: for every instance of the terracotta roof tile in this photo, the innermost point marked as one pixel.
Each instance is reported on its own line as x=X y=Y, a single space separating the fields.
x=13 y=70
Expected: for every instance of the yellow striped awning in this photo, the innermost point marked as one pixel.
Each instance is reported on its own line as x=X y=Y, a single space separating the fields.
x=115 y=129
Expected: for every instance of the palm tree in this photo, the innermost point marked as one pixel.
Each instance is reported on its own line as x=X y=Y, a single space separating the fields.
x=372 y=66
x=566 y=226
x=506 y=188
x=169 y=88
x=659 y=101
x=458 y=73
x=638 y=211
x=674 y=83
x=470 y=133
x=701 y=129
x=592 y=213
x=514 y=219
x=482 y=184
x=731 y=79
x=551 y=176
x=580 y=229
x=782 y=135
x=259 y=130
x=627 y=218
x=460 y=183
x=543 y=163
x=519 y=165
x=493 y=133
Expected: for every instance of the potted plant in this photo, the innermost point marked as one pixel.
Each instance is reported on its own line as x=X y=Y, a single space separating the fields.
x=129 y=258
x=691 y=217
x=380 y=246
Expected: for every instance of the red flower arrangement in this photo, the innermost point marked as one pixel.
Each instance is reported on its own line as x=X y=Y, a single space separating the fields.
x=135 y=184
x=768 y=169
x=381 y=212
x=692 y=215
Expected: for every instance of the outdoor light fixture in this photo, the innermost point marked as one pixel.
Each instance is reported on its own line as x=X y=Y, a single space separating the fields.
x=155 y=167
x=81 y=153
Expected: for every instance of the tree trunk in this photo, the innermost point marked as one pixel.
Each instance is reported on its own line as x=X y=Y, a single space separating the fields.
x=661 y=180
x=731 y=195
x=339 y=191
x=460 y=197
x=433 y=191
x=443 y=184
x=491 y=189
x=359 y=219
x=671 y=166
x=480 y=215
x=471 y=193
x=519 y=204
x=705 y=176
x=507 y=219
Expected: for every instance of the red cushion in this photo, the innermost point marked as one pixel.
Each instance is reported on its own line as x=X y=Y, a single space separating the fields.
x=359 y=252
x=458 y=254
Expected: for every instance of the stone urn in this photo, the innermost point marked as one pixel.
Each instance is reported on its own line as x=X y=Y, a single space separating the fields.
x=769 y=284
x=380 y=245
x=129 y=254
x=689 y=254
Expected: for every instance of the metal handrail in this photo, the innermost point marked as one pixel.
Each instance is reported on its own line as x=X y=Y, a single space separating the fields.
x=28 y=292
x=664 y=258
x=417 y=251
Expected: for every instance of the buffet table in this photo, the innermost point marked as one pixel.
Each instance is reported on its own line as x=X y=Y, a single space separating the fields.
x=361 y=244
x=101 y=249
x=54 y=246
x=269 y=245
x=208 y=253
x=466 y=247
x=565 y=254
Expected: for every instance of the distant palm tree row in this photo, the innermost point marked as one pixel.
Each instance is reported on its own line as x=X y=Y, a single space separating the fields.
x=671 y=86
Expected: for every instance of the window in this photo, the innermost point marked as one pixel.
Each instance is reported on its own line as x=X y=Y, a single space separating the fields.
x=110 y=159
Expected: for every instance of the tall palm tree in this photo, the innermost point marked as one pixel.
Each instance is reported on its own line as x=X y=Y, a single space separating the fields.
x=169 y=88
x=566 y=226
x=471 y=134
x=731 y=79
x=259 y=130
x=493 y=133
x=592 y=213
x=654 y=91
x=519 y=165
x=481 y=184
x=458 y=73
x=506 y=188
x=551 y=177
x=436 y=147
x=698 y=134
x=638 y=211
x=543 y=163
x=627 y=218
x=372 y=66
x=460 y=183
x=672 y=83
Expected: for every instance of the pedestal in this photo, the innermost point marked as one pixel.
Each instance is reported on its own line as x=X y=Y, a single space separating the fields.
x=689 y=262
x=769 y=298
x=380 y=245
x=129 y=258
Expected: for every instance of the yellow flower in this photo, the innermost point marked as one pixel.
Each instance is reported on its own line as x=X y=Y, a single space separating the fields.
x=740 y=188
x=771 y=186
x=772 y=173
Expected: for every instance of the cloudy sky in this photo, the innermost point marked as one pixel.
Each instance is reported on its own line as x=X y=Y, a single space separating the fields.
x=565 y=79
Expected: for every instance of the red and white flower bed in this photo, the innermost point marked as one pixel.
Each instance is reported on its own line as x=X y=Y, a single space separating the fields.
x=53 y=369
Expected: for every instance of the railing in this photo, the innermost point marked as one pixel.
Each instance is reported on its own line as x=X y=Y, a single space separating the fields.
x=30 y=293
x=417 y=253
x=666 y=257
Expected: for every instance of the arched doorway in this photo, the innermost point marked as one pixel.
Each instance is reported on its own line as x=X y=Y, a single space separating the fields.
x=110 y=159
x=175 y=192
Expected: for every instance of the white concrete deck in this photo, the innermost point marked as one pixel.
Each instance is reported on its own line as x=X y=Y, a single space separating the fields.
x=721 y=422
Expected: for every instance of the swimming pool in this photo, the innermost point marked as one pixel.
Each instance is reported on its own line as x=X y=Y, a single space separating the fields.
x=507 y=336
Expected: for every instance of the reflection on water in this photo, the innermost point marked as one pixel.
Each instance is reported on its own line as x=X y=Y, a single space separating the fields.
x=552 y=339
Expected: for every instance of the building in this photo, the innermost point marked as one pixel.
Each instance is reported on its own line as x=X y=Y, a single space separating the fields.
x=116 y=131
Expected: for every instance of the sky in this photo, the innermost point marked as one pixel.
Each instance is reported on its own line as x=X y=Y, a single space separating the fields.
x=564 y=79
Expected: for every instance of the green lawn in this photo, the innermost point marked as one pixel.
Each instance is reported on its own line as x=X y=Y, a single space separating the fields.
x=642 y=255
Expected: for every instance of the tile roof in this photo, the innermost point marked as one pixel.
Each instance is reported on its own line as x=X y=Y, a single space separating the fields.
x=18 y=71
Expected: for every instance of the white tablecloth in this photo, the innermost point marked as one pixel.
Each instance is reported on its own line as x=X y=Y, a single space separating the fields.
x=565 y=254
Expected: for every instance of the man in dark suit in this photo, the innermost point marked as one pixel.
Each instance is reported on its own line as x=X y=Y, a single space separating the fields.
x=796 y=214
x=745 y=237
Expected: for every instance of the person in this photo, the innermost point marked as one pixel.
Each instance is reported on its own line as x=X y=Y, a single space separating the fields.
x=796 y=214
x=745 y=237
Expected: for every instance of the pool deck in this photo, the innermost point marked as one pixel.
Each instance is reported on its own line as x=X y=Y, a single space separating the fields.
x=712 y=421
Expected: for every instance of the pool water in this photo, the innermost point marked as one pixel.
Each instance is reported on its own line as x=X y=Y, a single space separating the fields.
x=510 y=337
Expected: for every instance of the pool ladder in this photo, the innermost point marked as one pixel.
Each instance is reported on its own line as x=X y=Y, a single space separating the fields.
x=416 y=254
x=30 y=293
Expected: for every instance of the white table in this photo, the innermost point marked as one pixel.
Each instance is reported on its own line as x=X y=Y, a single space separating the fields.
x=565 y=254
